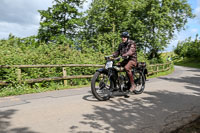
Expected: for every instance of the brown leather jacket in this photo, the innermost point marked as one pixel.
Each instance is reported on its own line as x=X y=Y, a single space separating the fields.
x=127 y=49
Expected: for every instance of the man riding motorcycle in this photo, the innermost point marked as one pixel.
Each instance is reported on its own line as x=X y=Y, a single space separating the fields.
x=127 y=49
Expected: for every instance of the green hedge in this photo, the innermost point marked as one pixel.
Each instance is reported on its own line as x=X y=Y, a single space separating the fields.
x=16 y=52
x=28 y=51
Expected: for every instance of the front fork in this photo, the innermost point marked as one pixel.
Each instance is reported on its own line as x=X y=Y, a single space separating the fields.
x=113 y=76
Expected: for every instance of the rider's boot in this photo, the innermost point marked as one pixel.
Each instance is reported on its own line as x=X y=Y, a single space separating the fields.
x=133 y=86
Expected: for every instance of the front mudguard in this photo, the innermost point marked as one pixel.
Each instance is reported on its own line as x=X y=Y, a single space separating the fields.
x=103 y=70
x=113 y=76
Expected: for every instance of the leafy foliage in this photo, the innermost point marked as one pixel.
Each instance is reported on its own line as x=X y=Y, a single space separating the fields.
x=61 y=19
x=16 y=51
x=188 y=48
x=151 y=23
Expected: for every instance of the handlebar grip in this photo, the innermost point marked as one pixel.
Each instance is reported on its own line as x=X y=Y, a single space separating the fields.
x=109 y=57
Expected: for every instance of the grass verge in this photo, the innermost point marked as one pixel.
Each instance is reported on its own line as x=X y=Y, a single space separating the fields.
x=27 y=89
x=188 y=62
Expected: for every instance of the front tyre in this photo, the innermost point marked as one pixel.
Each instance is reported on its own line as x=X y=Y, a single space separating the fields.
x=100 y=86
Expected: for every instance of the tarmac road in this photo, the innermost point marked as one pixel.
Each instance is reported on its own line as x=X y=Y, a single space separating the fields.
x=167 y=103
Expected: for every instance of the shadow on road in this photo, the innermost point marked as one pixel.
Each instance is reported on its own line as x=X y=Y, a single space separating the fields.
x=90 y=98
x=190 y=80
x=137 y=114
x=164 y=109
x=5 y=124
x=194 y=70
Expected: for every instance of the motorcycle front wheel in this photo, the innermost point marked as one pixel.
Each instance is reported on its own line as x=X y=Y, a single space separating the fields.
x=101 y=86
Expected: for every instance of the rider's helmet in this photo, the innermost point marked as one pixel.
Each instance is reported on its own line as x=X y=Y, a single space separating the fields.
x=125 y=34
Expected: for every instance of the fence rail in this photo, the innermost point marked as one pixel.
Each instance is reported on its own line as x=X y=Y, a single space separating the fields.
x=48 y=66
x=153 y=69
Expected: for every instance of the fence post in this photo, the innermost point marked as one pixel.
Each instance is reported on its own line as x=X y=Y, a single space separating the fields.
x=157 y=68
x=168 y=66
x=163 y=67
x=64 y=75
x=19 y=75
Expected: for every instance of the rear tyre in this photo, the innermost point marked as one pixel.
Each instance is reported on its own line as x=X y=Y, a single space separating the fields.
x=139 y=80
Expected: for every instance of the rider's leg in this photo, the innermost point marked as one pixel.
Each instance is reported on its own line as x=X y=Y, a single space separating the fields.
x=128 y=67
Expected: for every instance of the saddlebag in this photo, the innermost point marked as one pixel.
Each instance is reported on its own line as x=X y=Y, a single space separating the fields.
x=142 y=66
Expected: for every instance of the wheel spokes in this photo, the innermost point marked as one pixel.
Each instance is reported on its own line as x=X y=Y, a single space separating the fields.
x=102 y=85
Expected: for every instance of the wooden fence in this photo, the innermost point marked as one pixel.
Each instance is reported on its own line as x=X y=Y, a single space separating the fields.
x=151 y=70
x=156 y=68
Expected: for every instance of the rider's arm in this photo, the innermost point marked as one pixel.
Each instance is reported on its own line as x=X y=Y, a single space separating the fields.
x=131 y=50
x=117 y=53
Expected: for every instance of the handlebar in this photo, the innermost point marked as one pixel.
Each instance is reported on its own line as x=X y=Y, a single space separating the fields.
x=118 y=58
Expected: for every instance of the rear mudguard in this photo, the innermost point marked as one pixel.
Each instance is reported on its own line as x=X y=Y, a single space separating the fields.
x=145 y=71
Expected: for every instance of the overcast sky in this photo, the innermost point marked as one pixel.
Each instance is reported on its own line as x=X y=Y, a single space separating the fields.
x=21 y=18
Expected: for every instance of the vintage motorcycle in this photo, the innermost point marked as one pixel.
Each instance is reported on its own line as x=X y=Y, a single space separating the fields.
x=112 y=79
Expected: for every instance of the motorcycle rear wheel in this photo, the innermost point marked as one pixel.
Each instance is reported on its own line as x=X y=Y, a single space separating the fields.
x=101 y=86
x=139 y=80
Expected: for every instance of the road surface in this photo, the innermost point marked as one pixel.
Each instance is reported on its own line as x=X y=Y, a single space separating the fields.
x=167 y=103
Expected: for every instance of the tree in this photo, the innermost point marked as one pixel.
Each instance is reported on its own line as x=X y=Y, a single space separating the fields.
x=103 y=23
x=189 y=48
x=151 y=23
x=156 y=21
x=60 y=19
